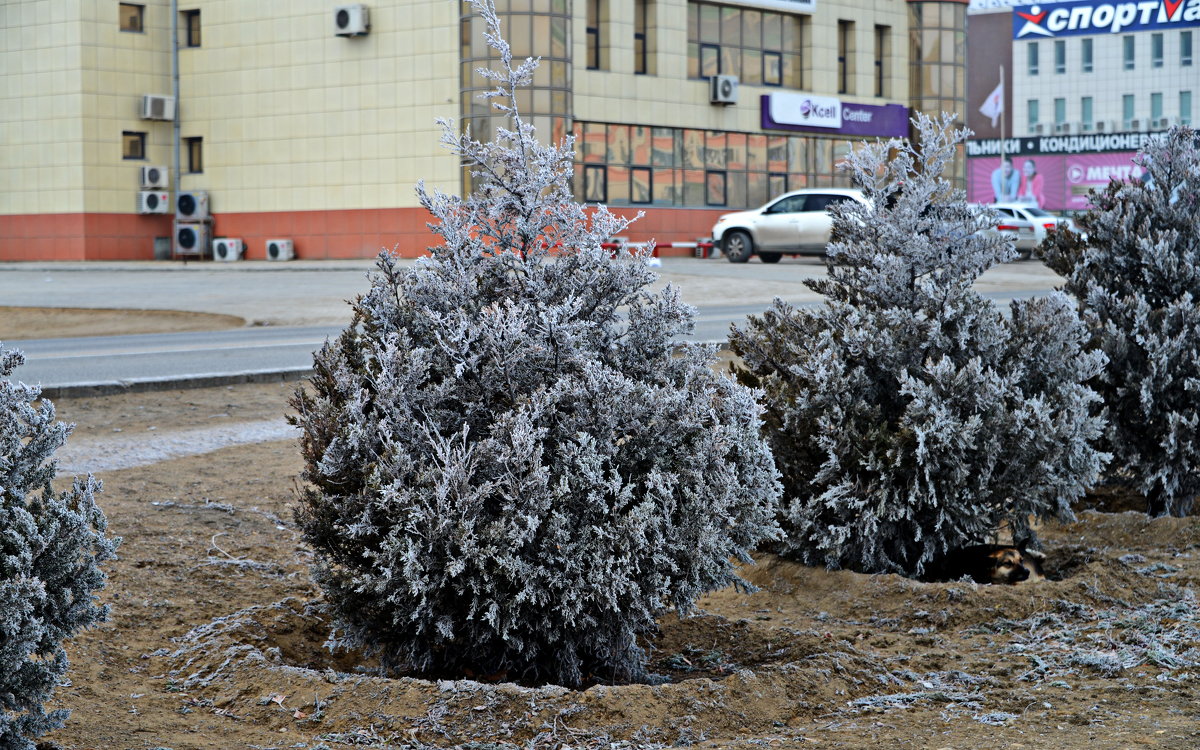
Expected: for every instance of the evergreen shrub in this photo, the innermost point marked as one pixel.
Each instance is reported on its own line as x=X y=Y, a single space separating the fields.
x=907 y=414
x=51 y=544
x=1136 y=274
x=512 y=467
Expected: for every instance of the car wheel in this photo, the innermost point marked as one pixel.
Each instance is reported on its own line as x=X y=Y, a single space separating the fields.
x=770 y=257
x=738 y=247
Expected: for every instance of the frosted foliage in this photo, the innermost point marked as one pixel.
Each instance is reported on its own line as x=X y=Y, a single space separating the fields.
x=512 y=470
x=908 y=415
x=50 y=545
x=1137 y=277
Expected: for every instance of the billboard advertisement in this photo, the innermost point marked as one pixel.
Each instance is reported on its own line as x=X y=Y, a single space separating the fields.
x=989 y=52
x=1055 y=182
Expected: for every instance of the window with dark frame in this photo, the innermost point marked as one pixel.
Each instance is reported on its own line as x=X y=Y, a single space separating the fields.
x=133 y=145
x=641 y=181
x=640 y=12
x=593 y=34
x=1185 y=48
x=595 y=183
x=1060 y=56
x=1156 y=50
x=1128 y=45
x=714 y=188
x=1031 y=58
x=132 y=17
x=191 y=27
x=195 y=154
x=761 y=47
x=882 y=38
x=845 y=50
x=1087 y=56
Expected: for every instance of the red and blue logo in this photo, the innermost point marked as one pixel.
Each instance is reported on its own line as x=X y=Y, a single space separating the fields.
x=1087 y=17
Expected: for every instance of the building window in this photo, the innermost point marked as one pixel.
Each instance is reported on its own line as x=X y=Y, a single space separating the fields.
x=594 y=190
x=1185 y=108
x=131 y=16
x=845 y=50
x=1060 y=112
x=1060 y=56
x=714 y=188
x=640 y=51
x=1185 y=48
x=593 y=34
x=762 y=48
x=1156 y=50
x=883 y=44
x=191 y=27
x=195 y=154
x=1085 y=108
x=133 y=145
x=1087 y=56
x=1127 y=43
x=1031 y=107
x=1127 y=112
x=1031 y=57
x=632 y=164
x=1156 y=110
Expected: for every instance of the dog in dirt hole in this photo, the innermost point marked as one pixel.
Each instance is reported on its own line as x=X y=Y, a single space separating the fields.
x=989 y=563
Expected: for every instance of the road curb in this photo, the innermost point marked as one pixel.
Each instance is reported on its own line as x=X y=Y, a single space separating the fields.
x=108 y=388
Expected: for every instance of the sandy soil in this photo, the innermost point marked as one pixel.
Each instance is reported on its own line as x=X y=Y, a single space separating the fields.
x=216 y=634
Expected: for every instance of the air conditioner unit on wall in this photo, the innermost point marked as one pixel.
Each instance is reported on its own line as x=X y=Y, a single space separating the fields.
x=1039 y=128
x=153 y=202
x=1161 y=123
x=1100 y=126
x=191 y=239
x=280 y=250
x=724 y=90
x=351 y=20
x=1062 y=127
x=153 y=177
x=1136 y=125
x=192 y=206
x=228 y=248
x=156 y=107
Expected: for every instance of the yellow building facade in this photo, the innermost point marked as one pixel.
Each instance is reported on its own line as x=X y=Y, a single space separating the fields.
x=295 y=127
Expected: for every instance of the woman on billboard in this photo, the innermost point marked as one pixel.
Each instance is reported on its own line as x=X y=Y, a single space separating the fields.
x=1031 y=190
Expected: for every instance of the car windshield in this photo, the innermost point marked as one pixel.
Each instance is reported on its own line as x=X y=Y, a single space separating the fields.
x=1034 y=211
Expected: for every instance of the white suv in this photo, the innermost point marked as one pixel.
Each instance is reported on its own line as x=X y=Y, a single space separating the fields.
x=794 y=223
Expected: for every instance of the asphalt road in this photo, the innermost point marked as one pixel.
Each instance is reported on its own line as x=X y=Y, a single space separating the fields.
x=292 y=308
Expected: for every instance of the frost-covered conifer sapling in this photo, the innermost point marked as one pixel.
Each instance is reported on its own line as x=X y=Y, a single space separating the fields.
x=51 y=544
x=1137 y=279
x=907 y=414
x=513 y=470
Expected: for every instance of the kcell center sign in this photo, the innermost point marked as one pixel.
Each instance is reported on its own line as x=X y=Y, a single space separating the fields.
x=808 y=113
x=1103 y=17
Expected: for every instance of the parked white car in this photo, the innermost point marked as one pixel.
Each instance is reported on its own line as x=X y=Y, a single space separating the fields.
x=794 y=223
x=1039 y=220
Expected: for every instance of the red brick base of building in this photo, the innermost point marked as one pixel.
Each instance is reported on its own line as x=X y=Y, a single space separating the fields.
x=317 y=235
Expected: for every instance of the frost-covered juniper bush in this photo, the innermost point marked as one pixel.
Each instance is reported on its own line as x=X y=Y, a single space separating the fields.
x=908 y=415
x=50 y=546
x=513 y=472
x=1137 y=278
